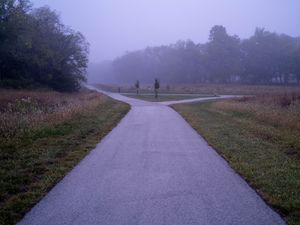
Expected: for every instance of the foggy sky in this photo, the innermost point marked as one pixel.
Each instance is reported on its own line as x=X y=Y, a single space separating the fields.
x=114 y=26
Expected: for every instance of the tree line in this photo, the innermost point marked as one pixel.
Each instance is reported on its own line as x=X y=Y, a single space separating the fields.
x=264 y=58
x=37 y=50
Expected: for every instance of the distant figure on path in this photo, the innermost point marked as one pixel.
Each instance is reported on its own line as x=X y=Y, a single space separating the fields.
x=156 y=87
x=137 y=86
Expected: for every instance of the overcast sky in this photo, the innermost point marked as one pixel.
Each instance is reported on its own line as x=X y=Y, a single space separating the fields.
x=115 y=26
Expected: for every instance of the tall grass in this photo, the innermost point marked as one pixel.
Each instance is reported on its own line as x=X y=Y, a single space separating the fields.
x=278 y=109
x=232 y=89
x=43 y=135
x=22 y=111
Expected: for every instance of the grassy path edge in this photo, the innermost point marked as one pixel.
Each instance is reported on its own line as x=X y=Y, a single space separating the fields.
x=290 y=219
x=69 y=143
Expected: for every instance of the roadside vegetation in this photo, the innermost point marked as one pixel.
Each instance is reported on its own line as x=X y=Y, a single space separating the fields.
x=259 y=137
x=43 y=135
x=206 y=89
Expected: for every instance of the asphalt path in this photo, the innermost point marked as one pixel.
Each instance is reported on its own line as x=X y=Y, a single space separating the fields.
x=152 y=169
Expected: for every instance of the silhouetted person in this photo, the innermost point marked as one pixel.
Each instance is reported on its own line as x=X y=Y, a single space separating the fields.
x=137 y=86
x=156 y=87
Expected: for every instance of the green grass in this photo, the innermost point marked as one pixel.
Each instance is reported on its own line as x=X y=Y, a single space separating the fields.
x=265 y=154
x=165 y=97
x=32 y=164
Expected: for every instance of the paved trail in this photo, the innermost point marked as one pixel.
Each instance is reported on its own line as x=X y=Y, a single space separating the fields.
x=152 y=169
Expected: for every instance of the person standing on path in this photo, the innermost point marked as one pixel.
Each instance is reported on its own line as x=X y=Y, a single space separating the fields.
x=156 y=87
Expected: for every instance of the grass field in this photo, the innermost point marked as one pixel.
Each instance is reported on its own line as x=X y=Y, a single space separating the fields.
x=43 y=136
x=208 y=89
x=260 y=138
x=165 y=97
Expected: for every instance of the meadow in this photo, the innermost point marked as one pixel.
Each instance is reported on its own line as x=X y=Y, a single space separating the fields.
x=43 y=135
x=206 y=89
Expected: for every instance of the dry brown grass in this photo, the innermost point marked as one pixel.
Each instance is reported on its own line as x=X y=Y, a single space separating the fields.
x=282 y=109
x=237 y=89
x=204 y=88
x=21 y=111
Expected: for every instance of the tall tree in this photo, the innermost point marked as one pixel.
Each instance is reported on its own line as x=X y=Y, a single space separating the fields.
x=36 y=49
x=15 y=35
x=223 y=55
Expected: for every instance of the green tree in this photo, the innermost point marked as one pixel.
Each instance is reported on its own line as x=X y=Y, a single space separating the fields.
x=60 y=55
x=15 y=33
x=222 y=55
x=264 y=58
x=36 y=49
x=268 y=57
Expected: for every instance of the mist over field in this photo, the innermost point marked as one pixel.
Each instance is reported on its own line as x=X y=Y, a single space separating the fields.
x=114 y=28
